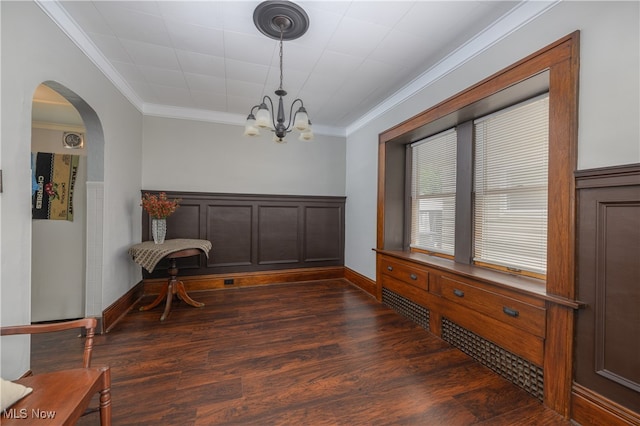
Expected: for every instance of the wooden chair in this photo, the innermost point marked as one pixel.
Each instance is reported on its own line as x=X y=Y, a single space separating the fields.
x=67 y=393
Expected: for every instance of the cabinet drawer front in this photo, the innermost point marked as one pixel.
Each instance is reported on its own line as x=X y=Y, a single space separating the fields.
x=405 y=290
x=514 y=312
x=414 y=276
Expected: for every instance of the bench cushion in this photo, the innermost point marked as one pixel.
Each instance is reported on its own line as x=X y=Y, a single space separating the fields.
x=11 y=392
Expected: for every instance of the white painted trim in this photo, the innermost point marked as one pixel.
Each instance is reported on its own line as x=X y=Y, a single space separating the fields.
x=319 y=129
x=94 y=250
x=510 y=22
x=167 y=111
x=57 y=126
x=60 y=16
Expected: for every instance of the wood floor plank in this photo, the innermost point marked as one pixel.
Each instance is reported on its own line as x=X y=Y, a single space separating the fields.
x=312 y=353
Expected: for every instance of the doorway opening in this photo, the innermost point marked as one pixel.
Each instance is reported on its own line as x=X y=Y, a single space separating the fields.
x=66 y=257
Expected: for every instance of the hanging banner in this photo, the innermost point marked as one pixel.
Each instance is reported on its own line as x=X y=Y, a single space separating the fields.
x=55 y=177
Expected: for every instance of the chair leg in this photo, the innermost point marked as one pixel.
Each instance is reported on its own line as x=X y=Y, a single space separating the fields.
x=105 y=400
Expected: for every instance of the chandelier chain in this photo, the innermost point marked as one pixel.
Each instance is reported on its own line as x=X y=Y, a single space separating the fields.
x=281 y=36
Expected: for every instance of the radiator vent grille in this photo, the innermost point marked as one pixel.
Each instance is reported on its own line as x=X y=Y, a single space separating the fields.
x=406 y=308
x=517 y=370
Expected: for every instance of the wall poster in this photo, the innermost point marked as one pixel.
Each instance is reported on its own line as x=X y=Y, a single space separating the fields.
x=54 y=177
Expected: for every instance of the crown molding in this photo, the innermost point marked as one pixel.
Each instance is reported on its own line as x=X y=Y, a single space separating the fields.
x=507 y=24
x=61 y=18
x=168 y=111
x=157 y=110
x=319 y=129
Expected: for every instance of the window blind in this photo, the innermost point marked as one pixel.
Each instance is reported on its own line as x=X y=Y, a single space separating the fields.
x=433 y=193
x=510 y=186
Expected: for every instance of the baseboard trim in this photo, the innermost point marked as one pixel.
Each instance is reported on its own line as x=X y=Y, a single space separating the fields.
x=118 y=309
x=365 y=283
x=590 y=408
x=27 y=373
x=246 y=279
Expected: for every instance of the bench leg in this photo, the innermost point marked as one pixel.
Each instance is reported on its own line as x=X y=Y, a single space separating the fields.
x=157 y=300
x=182 y=294
x=167 y=306
x=105 y=400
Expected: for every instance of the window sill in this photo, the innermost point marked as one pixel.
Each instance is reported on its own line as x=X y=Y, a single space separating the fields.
x=518 y=283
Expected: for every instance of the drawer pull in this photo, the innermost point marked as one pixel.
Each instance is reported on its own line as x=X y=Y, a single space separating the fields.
x=510 y=312
x=458 y=293
x=413 y=277
x=390 y=268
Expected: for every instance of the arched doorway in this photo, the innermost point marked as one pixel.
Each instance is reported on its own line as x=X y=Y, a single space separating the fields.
x=67 y=256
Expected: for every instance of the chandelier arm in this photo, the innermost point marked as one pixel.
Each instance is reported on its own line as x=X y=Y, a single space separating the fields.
x=292 y=115
x=266 y=97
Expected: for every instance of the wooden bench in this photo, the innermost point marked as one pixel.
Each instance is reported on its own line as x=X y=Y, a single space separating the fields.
x=61 y=397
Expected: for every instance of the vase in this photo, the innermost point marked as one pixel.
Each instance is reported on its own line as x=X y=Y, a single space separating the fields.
x=158 y=230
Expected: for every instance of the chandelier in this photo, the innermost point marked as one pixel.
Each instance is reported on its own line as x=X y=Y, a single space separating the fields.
x=279 y=20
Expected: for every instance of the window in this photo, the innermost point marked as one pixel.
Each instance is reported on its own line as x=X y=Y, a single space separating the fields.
x=510 y=187
x=499 y=183
x=433 y=193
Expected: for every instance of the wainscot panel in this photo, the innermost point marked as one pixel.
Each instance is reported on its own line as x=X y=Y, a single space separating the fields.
x=251 y=233
x=607 y=339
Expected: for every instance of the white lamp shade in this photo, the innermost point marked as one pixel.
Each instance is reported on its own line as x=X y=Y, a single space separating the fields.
x=302 y=121
x=263 y=118
x=250 y=128
x=307 y=135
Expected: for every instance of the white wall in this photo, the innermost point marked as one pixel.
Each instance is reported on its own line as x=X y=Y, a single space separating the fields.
x=609 y=104
x=35 y=50
x=208 y=157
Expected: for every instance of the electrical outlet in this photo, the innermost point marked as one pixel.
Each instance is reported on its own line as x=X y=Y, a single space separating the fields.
x=228 y=281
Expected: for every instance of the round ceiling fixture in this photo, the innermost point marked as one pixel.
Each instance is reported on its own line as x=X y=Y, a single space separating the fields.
x=276 y=18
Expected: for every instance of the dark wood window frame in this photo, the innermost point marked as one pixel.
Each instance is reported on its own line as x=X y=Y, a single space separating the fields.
x=557 y=64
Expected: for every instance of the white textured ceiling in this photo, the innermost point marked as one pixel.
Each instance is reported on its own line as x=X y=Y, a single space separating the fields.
x=206 y=59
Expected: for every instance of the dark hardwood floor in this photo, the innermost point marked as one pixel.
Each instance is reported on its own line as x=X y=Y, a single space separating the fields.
x=315 y=353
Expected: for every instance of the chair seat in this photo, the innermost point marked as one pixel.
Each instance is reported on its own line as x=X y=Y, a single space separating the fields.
x=63 y=396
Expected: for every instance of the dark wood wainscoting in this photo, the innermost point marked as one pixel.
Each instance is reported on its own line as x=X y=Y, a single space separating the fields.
x=607 y=355
x=253 y=233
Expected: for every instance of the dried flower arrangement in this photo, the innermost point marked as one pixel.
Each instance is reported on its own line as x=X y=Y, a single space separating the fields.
x=159 y=206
